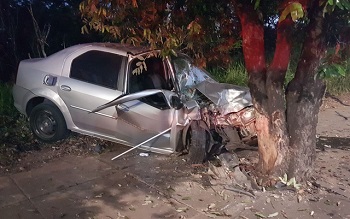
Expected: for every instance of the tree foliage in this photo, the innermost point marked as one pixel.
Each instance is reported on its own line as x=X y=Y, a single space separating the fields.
x=207 y=30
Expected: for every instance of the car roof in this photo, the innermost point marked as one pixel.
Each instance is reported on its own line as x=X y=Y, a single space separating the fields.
x=133 y=50
x=54 y=62
x=125 y=48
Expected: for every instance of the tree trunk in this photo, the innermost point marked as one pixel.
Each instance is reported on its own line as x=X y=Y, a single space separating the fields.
x=267 y=89
x=304 y=97
x=271 y=129
x=285 y=121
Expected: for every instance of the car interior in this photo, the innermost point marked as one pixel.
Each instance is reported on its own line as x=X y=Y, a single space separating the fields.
x=152 y=75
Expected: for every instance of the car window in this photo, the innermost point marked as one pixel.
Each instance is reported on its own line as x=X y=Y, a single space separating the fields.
x=97 y=67
x=188 y=75
x=152 y=75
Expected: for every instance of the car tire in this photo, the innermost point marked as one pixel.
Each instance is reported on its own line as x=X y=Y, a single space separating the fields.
x=199 y=143
x=47 y=123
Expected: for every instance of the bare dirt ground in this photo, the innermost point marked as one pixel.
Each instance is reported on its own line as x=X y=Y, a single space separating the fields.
x=326 y=195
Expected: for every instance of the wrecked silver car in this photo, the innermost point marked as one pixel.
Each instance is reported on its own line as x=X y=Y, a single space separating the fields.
x=132 y=96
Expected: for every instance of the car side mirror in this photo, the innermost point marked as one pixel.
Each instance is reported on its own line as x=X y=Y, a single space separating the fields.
x=176 y=102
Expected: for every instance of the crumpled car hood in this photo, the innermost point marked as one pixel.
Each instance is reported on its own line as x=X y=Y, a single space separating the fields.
x=227 y=97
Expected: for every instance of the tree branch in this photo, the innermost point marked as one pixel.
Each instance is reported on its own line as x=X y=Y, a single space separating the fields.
x=253 y=37
x=41 y=36
x=314 y=46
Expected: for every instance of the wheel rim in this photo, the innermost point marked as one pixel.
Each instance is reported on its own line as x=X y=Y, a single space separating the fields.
x=45 y=124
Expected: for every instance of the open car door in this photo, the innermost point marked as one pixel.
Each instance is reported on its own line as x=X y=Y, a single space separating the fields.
x=138 y=119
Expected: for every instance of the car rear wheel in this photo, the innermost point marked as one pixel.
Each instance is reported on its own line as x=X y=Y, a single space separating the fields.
x=199 y=143
x=47 y=123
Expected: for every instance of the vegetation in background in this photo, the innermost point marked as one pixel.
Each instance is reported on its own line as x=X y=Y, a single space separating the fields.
x=14 y=129
x=6 y=101
x=337 y=73
x=338 y=85
x=29 y=28
x=237 y=74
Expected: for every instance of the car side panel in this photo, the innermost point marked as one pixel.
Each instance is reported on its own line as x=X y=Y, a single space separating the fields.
x=146 y=121
x=84 y=97
x=23 y=96
x=30 y=84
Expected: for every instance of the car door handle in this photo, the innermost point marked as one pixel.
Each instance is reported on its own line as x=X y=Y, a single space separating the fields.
x=123 y=107
x=65 y=88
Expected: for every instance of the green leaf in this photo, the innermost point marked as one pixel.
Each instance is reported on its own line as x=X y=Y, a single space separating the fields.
x=346 y=4
x=291 y=181
x=147 y=33
x=297 y=186
x=136 y=71
x=257 y=3
x=84 y=29
x=340 y=69
x=340 y=5
x=285 y=177
x=330 y=2
x=173 y=52
x=81 y=6
x=141 y=58
x=295 y=9
x=194 y=28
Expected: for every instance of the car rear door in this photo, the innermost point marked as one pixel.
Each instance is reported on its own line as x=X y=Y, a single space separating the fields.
x=93 y=79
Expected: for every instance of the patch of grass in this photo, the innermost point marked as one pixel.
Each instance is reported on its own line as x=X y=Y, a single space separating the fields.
x=234 y=74
x=6 y=101
x=338 y=85
x=237 y=74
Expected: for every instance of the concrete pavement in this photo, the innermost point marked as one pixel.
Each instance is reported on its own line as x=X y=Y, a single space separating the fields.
x=95 y=187
x=81 y=187
x=143 y=187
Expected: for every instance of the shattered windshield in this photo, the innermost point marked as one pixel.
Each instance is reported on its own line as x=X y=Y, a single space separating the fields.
x=188 y=75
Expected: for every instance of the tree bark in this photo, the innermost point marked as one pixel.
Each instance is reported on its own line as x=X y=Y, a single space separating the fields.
x=285 y=120
x=304 y=97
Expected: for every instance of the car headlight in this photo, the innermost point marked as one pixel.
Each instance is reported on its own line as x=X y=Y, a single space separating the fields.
x=248 y=115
